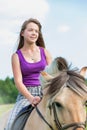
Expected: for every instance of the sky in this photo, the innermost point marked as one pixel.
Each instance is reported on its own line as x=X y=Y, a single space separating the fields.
x=64 y=28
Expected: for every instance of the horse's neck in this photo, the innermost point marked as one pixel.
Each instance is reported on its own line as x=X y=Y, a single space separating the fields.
x=43 y=104
x=35 y=121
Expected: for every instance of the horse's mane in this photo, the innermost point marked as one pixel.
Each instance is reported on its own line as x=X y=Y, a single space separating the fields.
x=61 y=63
x=57 y=65
x=64 y=77
x=70 y=79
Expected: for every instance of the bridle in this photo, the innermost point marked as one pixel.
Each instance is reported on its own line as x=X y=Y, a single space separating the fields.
x=63 y=127
x=57 y=122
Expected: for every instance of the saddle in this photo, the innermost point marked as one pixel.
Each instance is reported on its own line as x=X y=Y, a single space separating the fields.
x=21 y=118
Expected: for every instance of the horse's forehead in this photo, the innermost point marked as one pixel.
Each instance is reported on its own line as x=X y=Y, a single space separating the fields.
x=67 y=95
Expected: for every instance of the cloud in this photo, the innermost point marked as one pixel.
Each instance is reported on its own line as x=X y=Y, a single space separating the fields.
x=7 y=37
x=63 y=28
x=14 y=13
x=24 y=8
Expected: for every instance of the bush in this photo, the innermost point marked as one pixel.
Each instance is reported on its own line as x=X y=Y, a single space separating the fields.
x=8 y=91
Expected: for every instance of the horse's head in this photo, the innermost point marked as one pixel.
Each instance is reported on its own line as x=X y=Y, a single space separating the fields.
x=67 y=97
x=59 y=64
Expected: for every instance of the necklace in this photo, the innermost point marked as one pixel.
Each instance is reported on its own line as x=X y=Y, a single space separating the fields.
x=34 y=55
x=33 y=59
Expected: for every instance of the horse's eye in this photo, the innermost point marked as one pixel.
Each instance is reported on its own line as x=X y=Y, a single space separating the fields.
x=86 y=103
x=58 y=104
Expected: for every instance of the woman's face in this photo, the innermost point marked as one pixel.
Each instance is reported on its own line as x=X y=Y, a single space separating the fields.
x=31 y=33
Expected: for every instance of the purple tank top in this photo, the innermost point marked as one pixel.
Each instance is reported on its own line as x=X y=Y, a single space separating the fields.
x=31 y=71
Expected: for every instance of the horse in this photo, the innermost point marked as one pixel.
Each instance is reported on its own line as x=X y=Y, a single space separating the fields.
x=63 y=105
x=64 y=99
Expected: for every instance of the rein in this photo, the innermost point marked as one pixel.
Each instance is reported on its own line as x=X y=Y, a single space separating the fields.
x=57 y=122
x=42 y=117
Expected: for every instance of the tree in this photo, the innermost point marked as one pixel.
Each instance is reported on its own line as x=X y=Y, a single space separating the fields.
x=8 y=91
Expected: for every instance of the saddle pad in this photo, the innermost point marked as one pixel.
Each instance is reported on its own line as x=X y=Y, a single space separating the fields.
x=21 y=118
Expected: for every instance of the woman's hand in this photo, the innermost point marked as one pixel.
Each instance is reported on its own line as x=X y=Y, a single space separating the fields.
x=36 y=100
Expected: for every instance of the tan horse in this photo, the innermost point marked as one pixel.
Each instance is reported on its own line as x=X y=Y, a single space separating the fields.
x=64 y=100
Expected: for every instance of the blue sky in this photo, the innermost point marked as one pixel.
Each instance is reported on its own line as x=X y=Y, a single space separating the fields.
x=64 y=27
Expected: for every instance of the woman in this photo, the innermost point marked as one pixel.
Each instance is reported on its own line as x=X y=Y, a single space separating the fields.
x=29 y=60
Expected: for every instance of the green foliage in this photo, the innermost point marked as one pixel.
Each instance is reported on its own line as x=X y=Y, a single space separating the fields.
x=86 y=81
x=8 y=91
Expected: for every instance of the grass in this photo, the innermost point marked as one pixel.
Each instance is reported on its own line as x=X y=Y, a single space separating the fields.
x=4 y=108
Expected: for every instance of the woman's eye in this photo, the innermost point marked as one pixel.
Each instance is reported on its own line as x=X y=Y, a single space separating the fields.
x=36 y=31
x=29 y=30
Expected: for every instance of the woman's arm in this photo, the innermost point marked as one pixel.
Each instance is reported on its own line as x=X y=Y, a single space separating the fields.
x=18 y=80
x=48 y=56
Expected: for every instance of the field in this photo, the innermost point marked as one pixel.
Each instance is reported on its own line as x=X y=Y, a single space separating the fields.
x=5 y=108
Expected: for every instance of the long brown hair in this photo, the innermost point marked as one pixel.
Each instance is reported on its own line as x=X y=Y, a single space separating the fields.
x=40 y=40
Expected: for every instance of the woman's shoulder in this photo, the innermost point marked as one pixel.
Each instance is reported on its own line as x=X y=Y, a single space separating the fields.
x=47 y=55
x=14 y=56
x=43 y=49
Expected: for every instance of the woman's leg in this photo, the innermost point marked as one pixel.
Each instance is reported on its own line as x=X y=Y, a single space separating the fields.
x=21 y=103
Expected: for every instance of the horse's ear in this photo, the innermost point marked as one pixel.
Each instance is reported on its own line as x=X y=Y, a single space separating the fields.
x=46 y=75
x=83 y=71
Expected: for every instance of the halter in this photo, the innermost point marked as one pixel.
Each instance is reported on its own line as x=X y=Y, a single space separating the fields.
x=57 y=122
x=60 y=127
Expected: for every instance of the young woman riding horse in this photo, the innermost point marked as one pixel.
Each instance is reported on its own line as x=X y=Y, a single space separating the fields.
x=63 y=106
